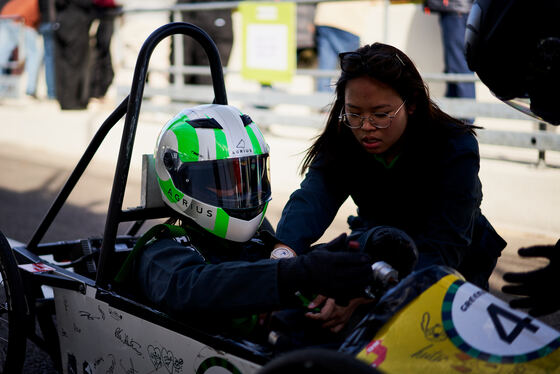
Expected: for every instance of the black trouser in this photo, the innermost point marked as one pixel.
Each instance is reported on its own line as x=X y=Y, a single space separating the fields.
x=71 y=56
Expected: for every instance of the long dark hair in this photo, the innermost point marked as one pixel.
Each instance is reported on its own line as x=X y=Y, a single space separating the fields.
x=391 y=66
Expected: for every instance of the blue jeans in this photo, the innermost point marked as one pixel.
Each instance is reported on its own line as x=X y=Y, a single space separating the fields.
x=33 y=58
x=9 y=36
x=331 y=42
x=453 y=26
x=47 y=31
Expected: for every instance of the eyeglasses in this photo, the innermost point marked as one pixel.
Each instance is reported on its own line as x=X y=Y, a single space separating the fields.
x=354 y=62
x=378 y=120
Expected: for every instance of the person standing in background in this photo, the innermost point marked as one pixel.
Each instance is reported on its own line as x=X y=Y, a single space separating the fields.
x=28 y=10
x=71 y=52
x=2 y=3
x=453 y=16
x=218 y=24
x=101 y=71
x=8 y=38
x=306 y=51
x=337 y=25
x=46 y=28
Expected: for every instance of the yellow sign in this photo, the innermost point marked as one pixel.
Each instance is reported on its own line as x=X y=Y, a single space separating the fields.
x=269 y=48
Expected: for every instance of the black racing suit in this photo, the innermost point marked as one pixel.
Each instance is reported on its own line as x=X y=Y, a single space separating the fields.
x=224 y=285
x=199 y=273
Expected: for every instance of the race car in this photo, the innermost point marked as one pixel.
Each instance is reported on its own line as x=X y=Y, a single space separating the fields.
x=432 y=320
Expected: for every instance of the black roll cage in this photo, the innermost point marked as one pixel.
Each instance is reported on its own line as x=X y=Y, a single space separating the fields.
x=130 y=107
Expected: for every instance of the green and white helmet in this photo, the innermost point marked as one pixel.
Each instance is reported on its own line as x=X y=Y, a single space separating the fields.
x=212 y=166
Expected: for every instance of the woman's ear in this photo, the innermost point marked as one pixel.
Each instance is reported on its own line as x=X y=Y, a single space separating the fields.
x=410 y=109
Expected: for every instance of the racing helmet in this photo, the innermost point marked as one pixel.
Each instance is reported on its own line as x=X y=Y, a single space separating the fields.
x=212 y=167
x=514 y=47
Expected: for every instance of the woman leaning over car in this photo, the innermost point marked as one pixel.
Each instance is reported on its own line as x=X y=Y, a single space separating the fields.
x=403 y=161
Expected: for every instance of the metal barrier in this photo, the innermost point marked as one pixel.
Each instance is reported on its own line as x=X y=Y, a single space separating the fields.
x=262 y=103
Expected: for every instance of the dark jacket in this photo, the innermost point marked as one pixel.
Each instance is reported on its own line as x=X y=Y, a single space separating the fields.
x=202 y=275
x=216 y=22
x=432 y=192
x=441 y=6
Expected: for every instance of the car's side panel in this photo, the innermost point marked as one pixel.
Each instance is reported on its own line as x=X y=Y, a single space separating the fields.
x=97 y=338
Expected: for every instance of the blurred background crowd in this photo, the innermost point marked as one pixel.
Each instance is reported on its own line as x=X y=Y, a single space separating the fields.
x=70 y=38
x=70 y=41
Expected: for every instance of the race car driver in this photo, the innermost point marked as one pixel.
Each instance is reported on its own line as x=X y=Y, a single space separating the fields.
x=212 y=168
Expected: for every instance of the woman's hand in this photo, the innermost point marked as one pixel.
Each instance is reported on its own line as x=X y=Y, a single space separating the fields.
x=334 y=316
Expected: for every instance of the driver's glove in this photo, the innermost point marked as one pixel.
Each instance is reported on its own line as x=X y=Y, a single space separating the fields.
x=325 y=271
x=537 y=287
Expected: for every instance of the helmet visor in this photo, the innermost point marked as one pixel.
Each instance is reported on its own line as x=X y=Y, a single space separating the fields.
x=232 y=184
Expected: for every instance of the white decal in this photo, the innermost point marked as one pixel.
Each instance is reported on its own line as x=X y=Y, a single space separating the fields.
x=490 y=326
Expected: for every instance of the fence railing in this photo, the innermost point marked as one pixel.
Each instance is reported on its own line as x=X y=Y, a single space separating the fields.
x=318 y=103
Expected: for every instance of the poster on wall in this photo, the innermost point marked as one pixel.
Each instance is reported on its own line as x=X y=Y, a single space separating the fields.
x=269 y=49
